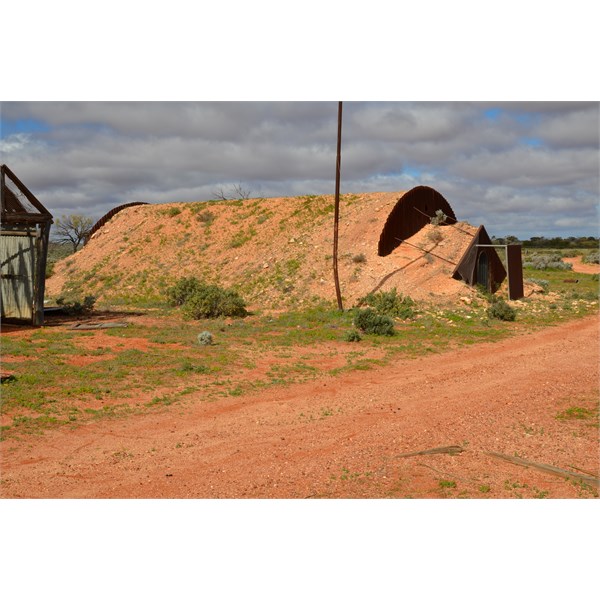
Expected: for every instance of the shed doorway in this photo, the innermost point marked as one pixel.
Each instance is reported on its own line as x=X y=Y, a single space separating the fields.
x=18 y=272
x=483 y=271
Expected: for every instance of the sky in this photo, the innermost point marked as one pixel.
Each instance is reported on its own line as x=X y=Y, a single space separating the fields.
x=519 y=168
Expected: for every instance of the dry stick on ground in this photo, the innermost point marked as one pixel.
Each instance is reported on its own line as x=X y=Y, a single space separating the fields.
x=546 y=468
x=453 y=450
x=582 y=470
x=444 y=473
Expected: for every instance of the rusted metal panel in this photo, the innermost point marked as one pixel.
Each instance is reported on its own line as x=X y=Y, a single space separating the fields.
x=17 y=276
x=412 y=212
x=468 y=270
x=514 y=263
x=108 y=216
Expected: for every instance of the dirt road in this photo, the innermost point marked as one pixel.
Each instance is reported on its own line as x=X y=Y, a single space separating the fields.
x=342 y=437
x=579 y=266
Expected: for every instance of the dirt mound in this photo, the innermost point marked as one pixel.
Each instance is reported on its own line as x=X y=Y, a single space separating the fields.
x=276 y=252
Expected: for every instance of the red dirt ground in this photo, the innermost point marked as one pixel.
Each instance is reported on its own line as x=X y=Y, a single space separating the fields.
x=342 y=437
x=580 y=267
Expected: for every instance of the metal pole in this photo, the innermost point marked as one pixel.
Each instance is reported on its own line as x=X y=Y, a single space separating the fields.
x=336 y=216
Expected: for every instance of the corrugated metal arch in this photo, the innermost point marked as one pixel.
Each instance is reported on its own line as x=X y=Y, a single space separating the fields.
x=108 y=216
x=411 y=213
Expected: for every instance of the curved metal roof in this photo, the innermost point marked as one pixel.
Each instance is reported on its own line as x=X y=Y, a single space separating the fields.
x=412 y=212
x=108 y=216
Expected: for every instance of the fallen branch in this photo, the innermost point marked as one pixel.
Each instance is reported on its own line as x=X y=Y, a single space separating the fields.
x=453 y=450
x=546 y=468
x=582 y=470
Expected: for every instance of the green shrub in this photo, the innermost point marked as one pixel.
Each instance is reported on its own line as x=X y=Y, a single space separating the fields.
x=202 y=301
x=353 y=336
x=390 y=303
x=549 y=260
x=182 y=290
x=500 y=310
x=592 y=258
x=369 y=321
x=543 y=283
x=75 y=307
x=205 y=338
x=440 y=217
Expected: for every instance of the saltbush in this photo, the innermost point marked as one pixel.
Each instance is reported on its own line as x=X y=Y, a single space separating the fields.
x=543 y=283
x=390 y=303
x=500 y=310
x=202 y=301
x=205 y=338
x=370 y=321
x=182 y=290
x=440 y=217
x=353 y=336
x=550 y=260
x=592 y=258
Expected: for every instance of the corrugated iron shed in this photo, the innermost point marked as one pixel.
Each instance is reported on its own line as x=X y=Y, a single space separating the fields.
x=25 y=229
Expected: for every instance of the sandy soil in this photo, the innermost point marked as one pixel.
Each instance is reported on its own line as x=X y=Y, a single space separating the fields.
x=342 y=437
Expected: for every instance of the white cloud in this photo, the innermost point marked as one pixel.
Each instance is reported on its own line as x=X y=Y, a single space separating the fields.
x=92 y=156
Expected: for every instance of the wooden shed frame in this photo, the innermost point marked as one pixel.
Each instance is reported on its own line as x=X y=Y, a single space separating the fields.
x=24 y=233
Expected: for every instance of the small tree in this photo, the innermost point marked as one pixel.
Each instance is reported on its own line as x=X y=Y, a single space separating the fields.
x=238 y=192
x=72 y=229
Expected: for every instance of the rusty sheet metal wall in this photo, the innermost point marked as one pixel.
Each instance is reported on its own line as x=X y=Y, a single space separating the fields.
x=407 y=216
x=17 y=276
x=515 y=271
x=467 y=270
x=108 y=216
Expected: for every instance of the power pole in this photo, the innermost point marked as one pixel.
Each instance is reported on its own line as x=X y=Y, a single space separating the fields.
x=336 y=215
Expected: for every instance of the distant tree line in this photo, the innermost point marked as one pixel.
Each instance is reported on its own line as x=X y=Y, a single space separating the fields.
x=558 y=243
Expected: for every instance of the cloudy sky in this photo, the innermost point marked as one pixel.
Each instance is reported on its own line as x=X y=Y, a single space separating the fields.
x=524 y=169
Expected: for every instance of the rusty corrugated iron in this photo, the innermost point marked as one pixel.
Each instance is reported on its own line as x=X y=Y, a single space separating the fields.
x=404 y=221
x=108 y=216
x=471 y=265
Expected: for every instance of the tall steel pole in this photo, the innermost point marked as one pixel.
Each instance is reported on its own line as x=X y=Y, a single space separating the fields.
x=336 y=215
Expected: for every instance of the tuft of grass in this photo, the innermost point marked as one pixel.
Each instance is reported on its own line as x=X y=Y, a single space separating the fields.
x=577 y=413
x=447 y=484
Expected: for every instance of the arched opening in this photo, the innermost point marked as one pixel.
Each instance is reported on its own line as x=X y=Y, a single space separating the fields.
x=412 y=212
